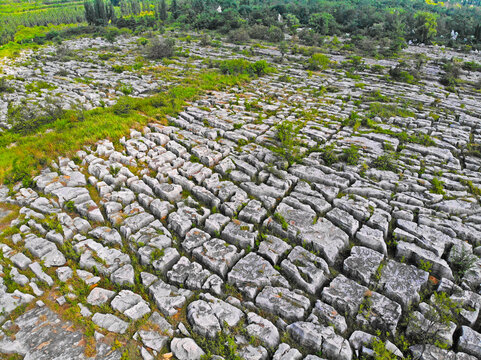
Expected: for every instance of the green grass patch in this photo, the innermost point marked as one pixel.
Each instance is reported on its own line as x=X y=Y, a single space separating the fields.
x=387 y=110
x=22 y=155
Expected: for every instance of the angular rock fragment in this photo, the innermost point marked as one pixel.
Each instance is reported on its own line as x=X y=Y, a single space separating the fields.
x=283 y=302
x=217 y=255
x=308 y=271
x=253 y=273
x=319 y=338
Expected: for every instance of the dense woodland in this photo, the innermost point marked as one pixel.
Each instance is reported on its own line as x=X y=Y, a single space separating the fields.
x=371 y=24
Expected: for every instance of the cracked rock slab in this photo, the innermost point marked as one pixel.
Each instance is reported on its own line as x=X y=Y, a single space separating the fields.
x=253 y=273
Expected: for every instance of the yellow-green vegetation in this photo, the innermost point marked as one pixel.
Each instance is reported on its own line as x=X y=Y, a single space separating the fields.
x=27 y=34
x=387 y=110
x=21 y=155
x=24 y=20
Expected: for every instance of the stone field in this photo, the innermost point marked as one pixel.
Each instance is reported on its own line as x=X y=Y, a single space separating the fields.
x=192 y=237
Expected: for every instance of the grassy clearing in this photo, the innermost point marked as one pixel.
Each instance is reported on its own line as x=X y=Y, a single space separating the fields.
x=27 y=153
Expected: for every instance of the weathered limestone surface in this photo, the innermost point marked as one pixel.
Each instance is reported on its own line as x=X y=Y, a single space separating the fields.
x=198 y=227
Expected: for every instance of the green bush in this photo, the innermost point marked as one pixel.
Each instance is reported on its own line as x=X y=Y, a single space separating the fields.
x=25 y=119
x=258 y=31
x=287 y=141
x=461 y=261
x=238 y=36
x=437 y=186
x=160 y=48
x=123 y=107
x=385 y=162
x=275 y=34
x=387 y=110
x=402 y=72
x=242 y=66
x=318 y=62
x=5 y=87
x=471 y=66
x=328 y=154
x=351 y=155
x=452 y=71
x=20 y=172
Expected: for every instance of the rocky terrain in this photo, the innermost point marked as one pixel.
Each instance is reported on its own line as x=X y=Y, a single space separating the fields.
x=196 y=238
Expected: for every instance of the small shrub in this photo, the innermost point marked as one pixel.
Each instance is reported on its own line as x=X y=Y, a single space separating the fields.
x=328 y=155
x=402 y=72
x=126 y=89
x=238 y=36
x=275 y=34
x=205 y=40
x=281 y=221
x=437 y=186
x=452 y=71
x=286 y=136
x=124 y=106
x=351 y=155
x=4 y=86
x=385 y=162
x=387 y=110
x=258 y=31
x=119 y=69
x=242 y=66
x=25 y=119
x=19 y=172
x=70 y=206
x=160 y=48
x=461 y=261
x=380 y=350
x=106 y=56
x=318 y=62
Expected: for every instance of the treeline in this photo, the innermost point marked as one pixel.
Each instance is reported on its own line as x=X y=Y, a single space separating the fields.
x=380 y=26
x=391 y=21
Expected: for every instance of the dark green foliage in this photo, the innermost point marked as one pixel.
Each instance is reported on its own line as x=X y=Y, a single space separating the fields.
x=471 y=66
x=461 y=261
x=160 y=48
x=328 y=154
x=25 y=119
x=242 y=66
x=437 y=186
x=163 y=10
x=385 y=162
x=238 y=36
x=452 y=71
x=98 y=13
x=350 y=155
x=4 y=86
x=287 y=147
x=123 y=106
x=20 y=172
x=323 y=23
x=261 y=32
x=402 y=72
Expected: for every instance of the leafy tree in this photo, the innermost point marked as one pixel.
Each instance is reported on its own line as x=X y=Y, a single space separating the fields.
x=322 y=22
x=275 y=34
x=292 y=22
x=163 y=11
x=426 y=26
x=174 y=9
